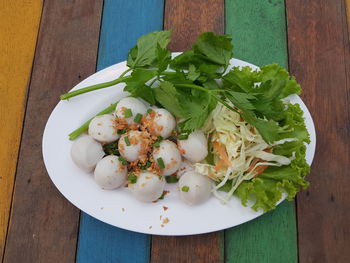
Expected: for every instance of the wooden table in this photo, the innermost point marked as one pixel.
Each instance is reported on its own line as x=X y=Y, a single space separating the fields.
x=48 y=47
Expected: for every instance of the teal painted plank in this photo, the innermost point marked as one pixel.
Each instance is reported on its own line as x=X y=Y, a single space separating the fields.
x=123 y=22
x=258 y=29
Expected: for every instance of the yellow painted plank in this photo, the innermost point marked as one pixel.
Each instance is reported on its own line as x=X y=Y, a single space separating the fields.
x=19 y=24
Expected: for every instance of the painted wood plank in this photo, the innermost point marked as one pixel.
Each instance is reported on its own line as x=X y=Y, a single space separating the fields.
x=258 y=29
x=43 y=224
x=188 y=19
x=18 y=34
x=122 y=23
x=321 y=63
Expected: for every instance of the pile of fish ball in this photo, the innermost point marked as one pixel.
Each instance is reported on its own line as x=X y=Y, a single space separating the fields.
x=148 y=151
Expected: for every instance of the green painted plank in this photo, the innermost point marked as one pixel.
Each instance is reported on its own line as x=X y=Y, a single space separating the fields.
x=258 y=29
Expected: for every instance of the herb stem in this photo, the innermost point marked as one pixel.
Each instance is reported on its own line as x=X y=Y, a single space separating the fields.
x=123 y=74
x=224 y=103
x=167 y=73
x=191 y=86
x=94 y=87
x=76 y=133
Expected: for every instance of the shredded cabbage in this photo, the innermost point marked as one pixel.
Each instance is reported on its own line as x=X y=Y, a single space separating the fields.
x=245 y=148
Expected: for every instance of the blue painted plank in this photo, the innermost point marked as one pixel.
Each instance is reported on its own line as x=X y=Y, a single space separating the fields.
x=123 y=22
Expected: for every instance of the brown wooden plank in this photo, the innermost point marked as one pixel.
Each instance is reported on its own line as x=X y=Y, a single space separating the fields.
x=18 y=35
x=43 y=224
x=199 y=248
x=320 y=59
x=188 y=19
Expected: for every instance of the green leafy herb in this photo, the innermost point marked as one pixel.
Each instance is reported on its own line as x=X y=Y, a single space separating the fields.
x=146 y=52
x=185 y=188
x=132 y=178
x=126 y=140
x=137 y=85
x=171 y=179
x=122 y=160
x=127 y=113
x=111 y=148
x=138 y=118
x=160 y=163
x=149 y=110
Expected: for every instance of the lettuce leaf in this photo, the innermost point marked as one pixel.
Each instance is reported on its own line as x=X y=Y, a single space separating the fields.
x=267 y=189
x=258 y=95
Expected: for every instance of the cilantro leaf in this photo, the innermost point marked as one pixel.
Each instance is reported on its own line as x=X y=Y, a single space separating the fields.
x=197 y=109
x=210 y=56
x=193 y=74
x=214 y=48
x=167 y=96
x=145 y=53
x=136 y=85
x=163 y=58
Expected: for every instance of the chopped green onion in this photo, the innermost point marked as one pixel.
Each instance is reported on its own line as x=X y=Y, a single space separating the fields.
x=132 y=178
x=185 y=188
x=149 y=110
x=171 y=179
x=122 y=131
x=127 y=113
x=147 y=165
x=122 y=160
x=157 y=142
x=138 y=118
x=183 y=136
x=126 y=140
x=161 y=163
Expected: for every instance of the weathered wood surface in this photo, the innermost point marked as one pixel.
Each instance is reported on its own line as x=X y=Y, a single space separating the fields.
x=319 y=52
x=259 y=35
x=188 y=19
x=19 y=25
x=123 y=22
x=347 y=4
x=43 y=224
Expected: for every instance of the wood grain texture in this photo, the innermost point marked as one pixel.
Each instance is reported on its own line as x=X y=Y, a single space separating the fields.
x=44 y=224
x=347 y=5
x=188 y=19
x=321 y=63
x=197 y=248
x=18 y=34
x=123 y=22
x=258 y=29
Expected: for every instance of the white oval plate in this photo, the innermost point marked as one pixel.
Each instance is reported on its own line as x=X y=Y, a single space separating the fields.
x=118 y=207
